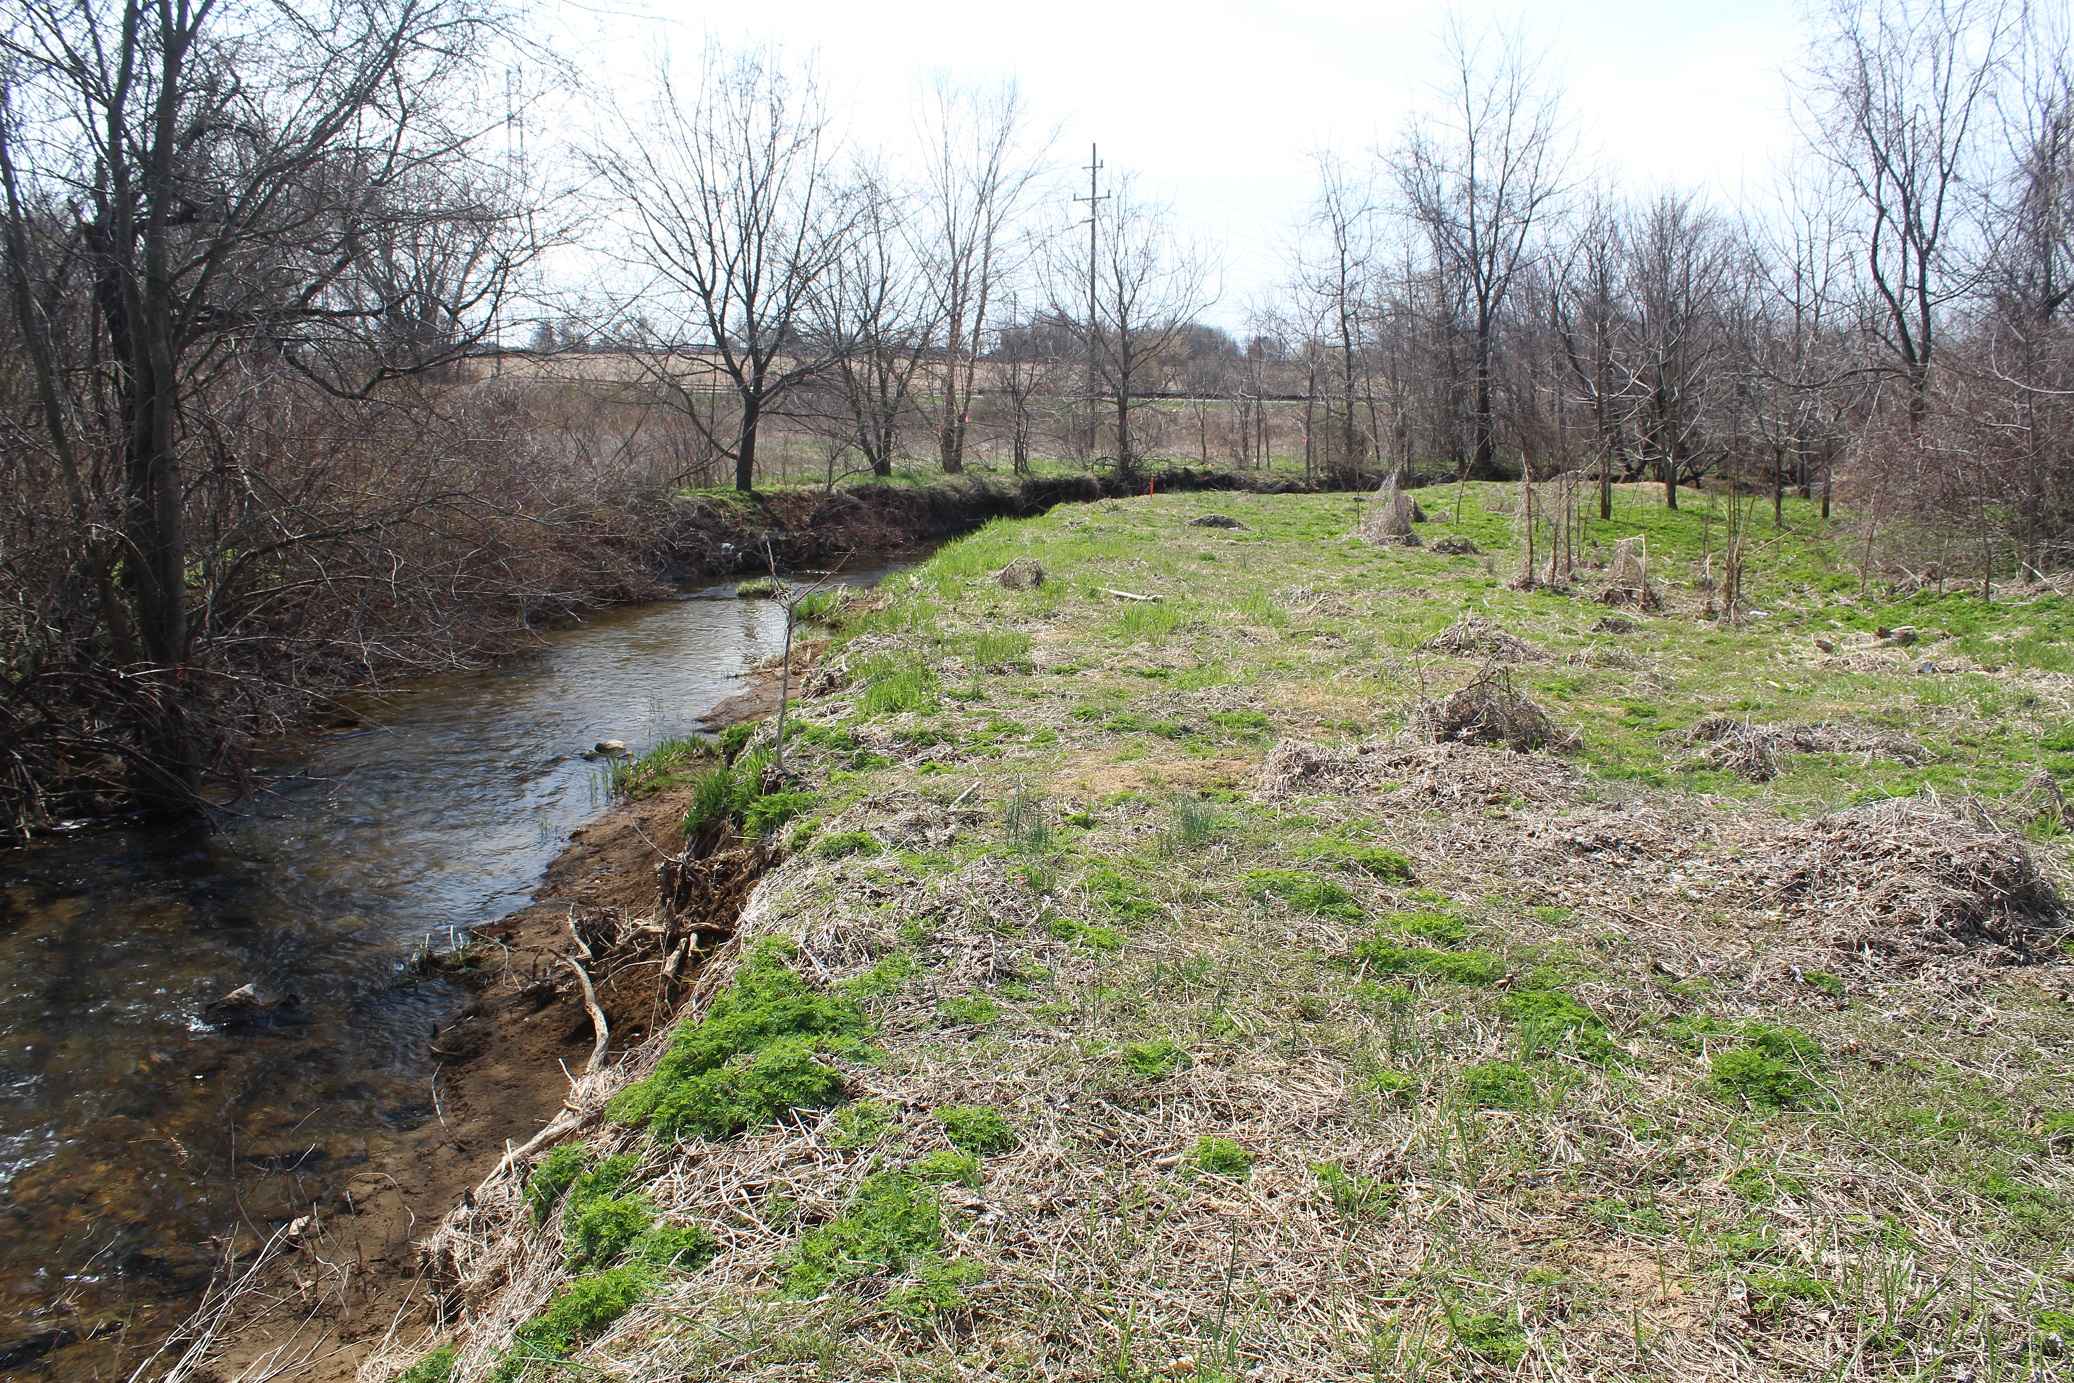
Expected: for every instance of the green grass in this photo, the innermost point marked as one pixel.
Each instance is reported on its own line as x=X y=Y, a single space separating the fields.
x=892 y=1228
x=434 y=1366
x=1773 y=1068
x=753 y=1058
x=1222 y=1157
x=976 y=1129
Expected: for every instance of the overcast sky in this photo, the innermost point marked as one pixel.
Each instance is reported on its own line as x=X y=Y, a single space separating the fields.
x=1217 y=106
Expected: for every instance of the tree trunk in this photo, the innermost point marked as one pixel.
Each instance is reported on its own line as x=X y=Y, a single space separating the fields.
x=745 y=449
x=1486 y=443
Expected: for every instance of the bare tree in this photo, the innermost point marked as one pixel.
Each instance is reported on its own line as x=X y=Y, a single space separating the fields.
x=1677 y=263
x=873 y=320
x=1589 y=310
x=738 y=216
x=1335 y=269
x=979 y=172
x=1897 y=92
x=1147 y=288
x=201 y=193
x=1478 y=175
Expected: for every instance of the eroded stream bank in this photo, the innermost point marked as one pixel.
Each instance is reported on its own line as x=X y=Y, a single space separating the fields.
x=138 y=1139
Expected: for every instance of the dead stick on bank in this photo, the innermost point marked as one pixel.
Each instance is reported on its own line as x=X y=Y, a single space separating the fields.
x=598 y=1024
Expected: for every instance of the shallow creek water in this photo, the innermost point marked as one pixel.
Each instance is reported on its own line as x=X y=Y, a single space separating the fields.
x=131 y=1131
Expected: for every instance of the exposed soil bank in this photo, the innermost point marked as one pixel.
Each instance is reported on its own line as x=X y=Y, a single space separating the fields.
x=726 y=535
x=506 y=1066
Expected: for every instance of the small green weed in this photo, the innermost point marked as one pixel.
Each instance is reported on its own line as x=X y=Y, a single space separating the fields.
x=976 y=1129
x=1376 y=861
x=1434 y=928
x=1354 y=1196
x=1392 y=1085
x=1306 y=894
x=837 y=844
x=1155 y=1060
x=1500 y=1085
x=1246 y=724
x=974 y=1012
x=893 y=1226
x=1222 y=1157
x=762 y=817
x=1386 y=957
x=947 y=1168
x=1548 y=1018
x=861 y=1123
x=1829 y=984
x=599 y=1232
x=581 y=1311
x=892 y=970
x=1771 y=1293
x=1772 y=1068
x=1632 y=1219
x=553 y=1177
x=1489 y=1335
x=1122 y=895
x=1081 y=934
x=1762 y=1187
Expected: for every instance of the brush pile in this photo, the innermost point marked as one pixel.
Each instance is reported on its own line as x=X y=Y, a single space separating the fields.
x=1476 y=637
x=1905 y=880
x=1488 y=711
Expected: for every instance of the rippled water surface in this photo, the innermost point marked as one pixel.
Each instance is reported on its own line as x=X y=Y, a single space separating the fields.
x=130 y=1130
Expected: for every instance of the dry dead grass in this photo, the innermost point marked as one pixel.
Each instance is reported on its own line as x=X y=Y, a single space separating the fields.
x=1616 y=1213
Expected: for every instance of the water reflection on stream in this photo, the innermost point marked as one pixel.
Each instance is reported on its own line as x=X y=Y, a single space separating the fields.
x=130 y=1131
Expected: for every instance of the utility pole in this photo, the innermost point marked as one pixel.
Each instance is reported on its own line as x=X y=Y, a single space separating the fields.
x=1094 y=198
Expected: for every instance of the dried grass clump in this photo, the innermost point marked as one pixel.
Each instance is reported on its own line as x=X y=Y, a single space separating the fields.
x=1405 y=774
x=1456 y=547
x=1746 y=749
x=1756 y=753
x=1851 y=739
x=1901 y=881
x=1476 y=637
x=1627 y=577
x=1389 y=517
x=1489 y=711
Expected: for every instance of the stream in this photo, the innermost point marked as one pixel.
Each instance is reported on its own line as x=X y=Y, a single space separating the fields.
x=131 y=1130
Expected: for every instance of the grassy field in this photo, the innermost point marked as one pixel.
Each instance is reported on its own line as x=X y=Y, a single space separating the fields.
x=1142 y=995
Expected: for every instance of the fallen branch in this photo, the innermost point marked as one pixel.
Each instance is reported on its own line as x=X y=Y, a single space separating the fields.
x=1126 y=595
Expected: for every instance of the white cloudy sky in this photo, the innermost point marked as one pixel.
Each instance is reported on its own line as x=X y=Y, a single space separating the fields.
x=1217 y=105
